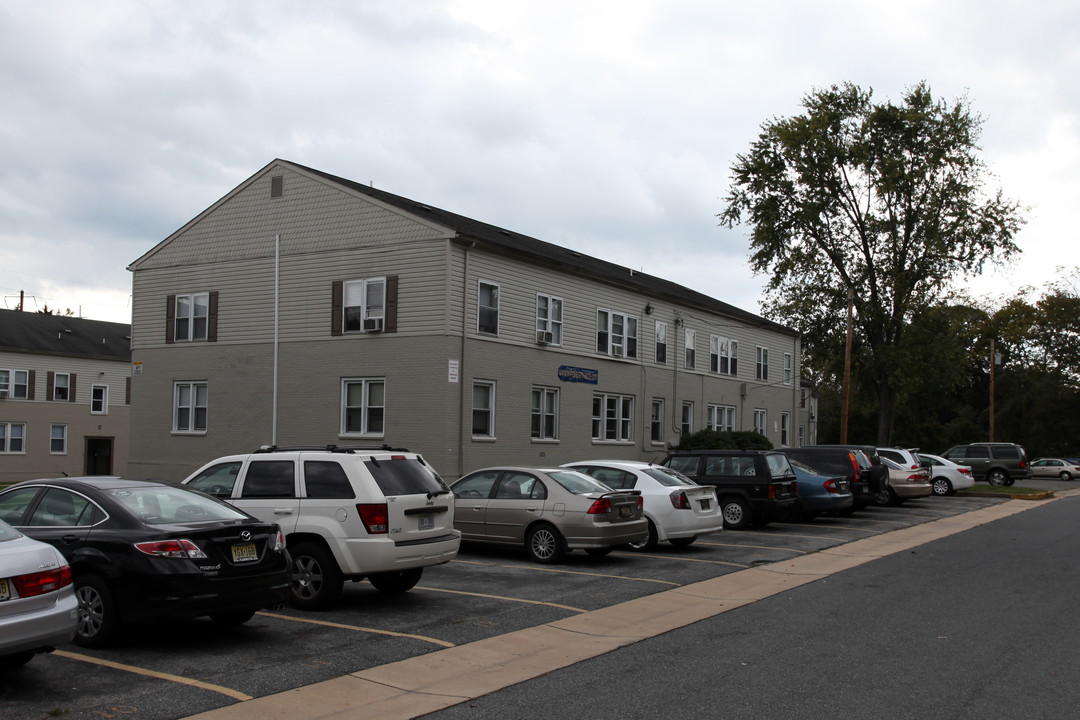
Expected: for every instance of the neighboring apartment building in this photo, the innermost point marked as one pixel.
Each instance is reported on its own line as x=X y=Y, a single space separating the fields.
x=303 y=308
x=64 y=396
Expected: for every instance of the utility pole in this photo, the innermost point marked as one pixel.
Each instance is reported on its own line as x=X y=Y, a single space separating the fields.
x=994 y=359
x=846 y=392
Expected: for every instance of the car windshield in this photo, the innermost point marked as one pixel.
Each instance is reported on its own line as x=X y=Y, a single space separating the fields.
x=578 y=483
x=165 y=505
x=668 y=477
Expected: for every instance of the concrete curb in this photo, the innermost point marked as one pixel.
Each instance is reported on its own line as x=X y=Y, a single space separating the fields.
x=426 y=683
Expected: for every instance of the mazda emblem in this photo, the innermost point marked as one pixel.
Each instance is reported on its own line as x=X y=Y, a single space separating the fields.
x=245 y=535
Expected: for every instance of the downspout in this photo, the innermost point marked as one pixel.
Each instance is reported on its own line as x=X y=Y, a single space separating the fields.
x=277 y=292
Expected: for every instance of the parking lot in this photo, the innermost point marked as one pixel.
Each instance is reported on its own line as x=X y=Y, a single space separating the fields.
x=170 y=672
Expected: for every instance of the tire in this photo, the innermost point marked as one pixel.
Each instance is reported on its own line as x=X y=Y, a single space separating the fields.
x=683 y=542
x=316 y=579
x=599 y=552
x=997 y=477
x=233 y=619
x=736 y=513
x=1065 y=475
x=99 y=621
x=942 y=486
x=544 y=544
x=396 y=582
x=649 y=543
x=884 y=498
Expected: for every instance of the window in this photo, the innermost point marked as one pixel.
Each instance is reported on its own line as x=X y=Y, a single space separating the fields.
x=487 y=316
x=270 y=479
x=687 y=424
x=58 y=439
x=722 y=418
x=14 y=384
x=723 y=355
x=612 y=417
x=483 y=409
x=760 y=420
x=363 y=406
x=549 y=318
x=189 y=407
x=60 y=387
x=545 y=414
x=761 y=366
x=99 y=400
x=192 y=317
x=656 y=428
x=12 y=437
x=364 y=305
x=661 y=342
x=788 y=368
x=616 y=334
x=802 y=435
x=691 y=340
x=785 y=429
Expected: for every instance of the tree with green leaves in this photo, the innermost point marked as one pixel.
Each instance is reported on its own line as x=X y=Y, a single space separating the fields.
x=886 y=201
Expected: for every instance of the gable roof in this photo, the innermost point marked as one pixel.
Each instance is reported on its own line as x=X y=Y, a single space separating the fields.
x=64 y=335
x=510 y=242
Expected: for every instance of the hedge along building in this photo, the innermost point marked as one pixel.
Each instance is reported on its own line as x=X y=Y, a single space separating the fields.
x=307 y=309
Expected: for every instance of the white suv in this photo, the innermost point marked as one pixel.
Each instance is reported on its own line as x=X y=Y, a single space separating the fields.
x=347 y=513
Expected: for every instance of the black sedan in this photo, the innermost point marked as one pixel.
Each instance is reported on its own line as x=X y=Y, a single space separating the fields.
x=150 y=552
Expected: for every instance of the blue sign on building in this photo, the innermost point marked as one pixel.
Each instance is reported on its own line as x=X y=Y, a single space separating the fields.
x=568 y=373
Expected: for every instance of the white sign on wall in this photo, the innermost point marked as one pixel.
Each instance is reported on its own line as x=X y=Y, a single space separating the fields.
x=453 y=371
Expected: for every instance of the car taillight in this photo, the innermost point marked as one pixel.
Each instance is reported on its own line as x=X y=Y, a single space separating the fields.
x=600 y=507
x=279 y=542
x=171 y=549
x=43 y=582
x=831 y=485
x=679 y=501
x=375 y=516
x=964 y=471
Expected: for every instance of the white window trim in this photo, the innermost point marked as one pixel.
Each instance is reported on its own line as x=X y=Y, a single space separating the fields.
x=545 y=392
x=624 y=348
x=789 y=368
x=785 y=429
x=761 y=415
x=661 y=341
x=550 y=324
x=656 y=421
x=624 y=418
x=193 y=388
x=490 y=434
x=63 y=438
x=690 y=349
x=727 y=422
x=686 y=423
x=360 y=286
x=104 y=399
x=479 y=307
x=5 y=445
x=761 y=363
x=192 y=302
x=56 y=386
x=365 y=407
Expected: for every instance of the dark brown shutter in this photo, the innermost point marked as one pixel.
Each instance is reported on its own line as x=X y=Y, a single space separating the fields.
x=127 y=390
x=391 y=303
x=170 y=318
x=337 y=300
x=31 y=381
x=71 y=387
x=50 y=378
x=211 y=321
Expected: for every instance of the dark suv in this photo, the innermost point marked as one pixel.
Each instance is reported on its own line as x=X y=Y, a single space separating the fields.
x=996 y=463
x=865 y=476
x=753 y=486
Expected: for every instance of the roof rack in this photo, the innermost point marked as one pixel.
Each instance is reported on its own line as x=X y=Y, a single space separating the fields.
x=351 y=449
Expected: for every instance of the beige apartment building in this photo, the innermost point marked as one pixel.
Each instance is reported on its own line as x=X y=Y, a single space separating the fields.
x=64 y=396
x=306 y=309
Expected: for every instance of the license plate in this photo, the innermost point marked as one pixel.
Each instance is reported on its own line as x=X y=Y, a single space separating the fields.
x=706 y=504
x=427 y=522
x=5 y=589
x=244 y=553
x=625 y=511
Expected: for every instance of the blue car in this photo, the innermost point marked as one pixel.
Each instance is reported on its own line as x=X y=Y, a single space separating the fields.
x=820 y=493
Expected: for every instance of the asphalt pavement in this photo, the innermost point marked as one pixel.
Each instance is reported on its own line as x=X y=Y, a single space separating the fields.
x=964 y=617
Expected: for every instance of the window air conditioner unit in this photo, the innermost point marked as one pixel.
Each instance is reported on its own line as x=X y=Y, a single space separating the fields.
x=617 y=351
x=374 y=324
x=544 y=337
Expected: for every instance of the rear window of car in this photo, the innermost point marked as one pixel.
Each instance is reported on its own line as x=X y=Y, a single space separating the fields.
x=668 y=477
x=778 y=464
x=578 y=483
x=326 y=479
x=1006 y=452
x=166 y=505
x=833 y=463
x=404 y=476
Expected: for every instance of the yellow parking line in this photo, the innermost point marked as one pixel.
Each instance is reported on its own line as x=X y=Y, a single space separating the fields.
x=327 y=623
x=538 y=568
x=235 y=694
x=503 y=597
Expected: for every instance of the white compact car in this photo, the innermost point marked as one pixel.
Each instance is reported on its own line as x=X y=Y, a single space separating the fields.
x=348 y=513
x=677 y=508
x=946 y=477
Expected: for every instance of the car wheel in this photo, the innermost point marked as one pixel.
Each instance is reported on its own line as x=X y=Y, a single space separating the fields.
x=232 y=619
x=316 y=580
x=736 y=513
x=599 y=552
x=397 y=582
x=10 y=662
x=883 y=497
x=942 y=486
x=1065 y=475
x=683 y=542
x=997 y=477
x=99 y=622
x=648 y=543
x=545 y=544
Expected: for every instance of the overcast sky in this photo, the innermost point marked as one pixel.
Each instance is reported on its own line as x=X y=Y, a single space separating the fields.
x=607 y=127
